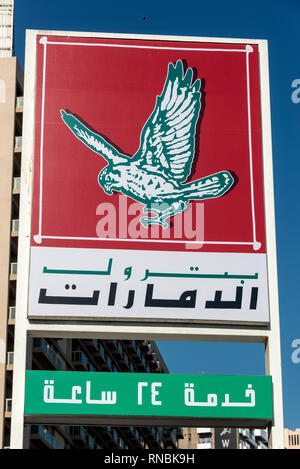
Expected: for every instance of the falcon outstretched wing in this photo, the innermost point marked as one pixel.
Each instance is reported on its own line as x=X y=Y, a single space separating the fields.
x=92 y=140
x=168 y=137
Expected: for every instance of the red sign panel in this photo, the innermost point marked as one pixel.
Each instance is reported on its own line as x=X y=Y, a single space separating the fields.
x=97 y=95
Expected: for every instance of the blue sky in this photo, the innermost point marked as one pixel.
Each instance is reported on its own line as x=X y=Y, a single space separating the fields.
x=278 y=22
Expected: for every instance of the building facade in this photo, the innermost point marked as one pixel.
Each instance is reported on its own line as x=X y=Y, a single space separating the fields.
x=50 y=354
x=10 y=167
x=292 y=438
x=6 y=28
x=223 y=438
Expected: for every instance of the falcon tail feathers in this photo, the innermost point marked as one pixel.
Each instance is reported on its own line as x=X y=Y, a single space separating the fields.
x=208 y=187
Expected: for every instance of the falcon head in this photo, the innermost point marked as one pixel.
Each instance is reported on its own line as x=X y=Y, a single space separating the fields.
x=109 y=179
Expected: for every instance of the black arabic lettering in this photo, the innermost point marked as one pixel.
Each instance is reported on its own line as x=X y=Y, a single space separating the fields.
x=187 y=299
x=68 y=300
x=253 y=299
x=219 y=304
x=130 y=299
x=112 y=294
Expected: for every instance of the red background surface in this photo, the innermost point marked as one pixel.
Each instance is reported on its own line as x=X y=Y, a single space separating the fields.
x=114 y=91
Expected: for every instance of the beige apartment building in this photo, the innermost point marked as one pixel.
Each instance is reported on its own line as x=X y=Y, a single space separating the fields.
x=292 y=438
x=11 y=107
x=10 y=87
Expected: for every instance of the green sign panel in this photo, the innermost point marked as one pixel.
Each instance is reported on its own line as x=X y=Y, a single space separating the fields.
x=145 y=394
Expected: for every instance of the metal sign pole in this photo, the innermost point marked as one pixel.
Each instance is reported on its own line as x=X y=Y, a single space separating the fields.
x=273 y=349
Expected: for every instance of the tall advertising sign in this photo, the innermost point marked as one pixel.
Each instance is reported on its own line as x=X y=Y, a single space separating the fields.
x=148 y=191
x=147 y=212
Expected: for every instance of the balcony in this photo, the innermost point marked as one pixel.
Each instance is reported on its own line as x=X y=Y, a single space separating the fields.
x=13 y=271
x=18 y=144
x=80 y=360
x=136 y=440
x=131 y=367
x=131 y=345
x=169 y=438
x=261 y=438
x=19 y=103
x=154 y=435
x=10 y=360
x=112 y=344
x=155 y=365
x=148 y=348
x=13 y=268
x=117 y=439
x=107 y=366
x=19 y=114
x=101 y=357
x=15 y=227
x=92 y=345
x=79 y=436
x=8 y=407
x=16 y=185
x=101 y=351
x=11 y=315
x=108 y=435
x=45 y=356
x=92 y=368
x=17 y=164
x=90 y=442
x=15 y=207
x=142 y=365
x=41 y=437
x=247 y=437
x=119 y=354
